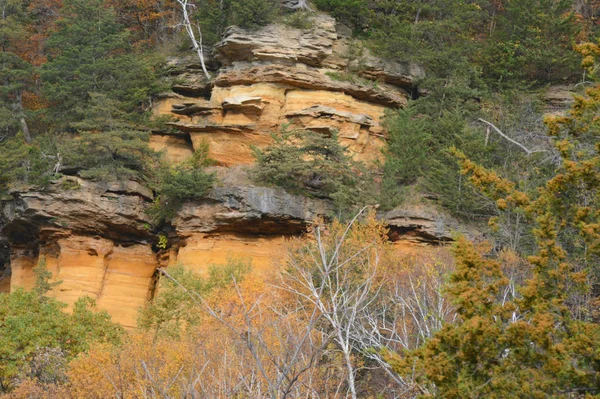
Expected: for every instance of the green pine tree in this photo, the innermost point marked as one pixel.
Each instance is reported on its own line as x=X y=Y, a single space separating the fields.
x=90 y=53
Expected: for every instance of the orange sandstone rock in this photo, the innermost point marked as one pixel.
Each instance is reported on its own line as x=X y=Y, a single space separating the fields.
x=119 y=278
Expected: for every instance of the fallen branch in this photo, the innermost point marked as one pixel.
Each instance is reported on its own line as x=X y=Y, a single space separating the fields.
x=527 y=150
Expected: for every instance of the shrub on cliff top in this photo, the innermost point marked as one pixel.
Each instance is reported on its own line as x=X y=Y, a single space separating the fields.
x=215 y=16
x=317 y=165
x=176 y=184
x=27 y=164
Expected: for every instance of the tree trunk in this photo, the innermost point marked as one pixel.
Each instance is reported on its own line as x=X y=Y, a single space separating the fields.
x=190 y=31
x=22 y=121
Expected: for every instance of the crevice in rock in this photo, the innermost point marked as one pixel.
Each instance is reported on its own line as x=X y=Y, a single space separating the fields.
x=414 y=233
x=106 y=264
x=5 y=269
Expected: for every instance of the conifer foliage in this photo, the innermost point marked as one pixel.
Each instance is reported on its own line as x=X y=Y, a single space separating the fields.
x=543 y=342
x=314 y=164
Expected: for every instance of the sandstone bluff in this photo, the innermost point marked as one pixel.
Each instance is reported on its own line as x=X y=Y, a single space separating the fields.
x=95 y=237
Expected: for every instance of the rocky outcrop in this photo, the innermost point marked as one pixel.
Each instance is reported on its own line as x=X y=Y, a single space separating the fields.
x=422 y=225
x=281 y=76
x=96 y=237
x=558 y=99
x=93 y=236
x=75 y=205
x=280 y=44
x=250 y=210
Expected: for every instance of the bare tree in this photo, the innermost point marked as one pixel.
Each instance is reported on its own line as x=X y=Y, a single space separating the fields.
x=280 y=338
x=189 y=28
x=297 y=5
x=404 y=316
x=341 y=282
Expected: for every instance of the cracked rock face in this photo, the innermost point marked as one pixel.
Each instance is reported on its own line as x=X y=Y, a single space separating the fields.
x=79 y=206
x=278 y=43
x=281 y=76
x=250 y=210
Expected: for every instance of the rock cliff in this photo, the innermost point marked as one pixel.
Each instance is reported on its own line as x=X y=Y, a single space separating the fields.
x=95 y=237
x=278 y=76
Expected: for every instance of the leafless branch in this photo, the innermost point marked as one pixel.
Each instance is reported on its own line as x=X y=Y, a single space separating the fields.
x=521 y=146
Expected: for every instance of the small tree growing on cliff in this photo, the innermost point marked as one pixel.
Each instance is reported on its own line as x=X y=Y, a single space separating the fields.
x=314 y=164
x=182 y=182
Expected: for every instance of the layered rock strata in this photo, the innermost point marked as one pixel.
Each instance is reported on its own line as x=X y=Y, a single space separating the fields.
x=96 y=237
x=280 y=76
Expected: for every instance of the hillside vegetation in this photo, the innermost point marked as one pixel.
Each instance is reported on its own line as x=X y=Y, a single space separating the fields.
x=513 y=315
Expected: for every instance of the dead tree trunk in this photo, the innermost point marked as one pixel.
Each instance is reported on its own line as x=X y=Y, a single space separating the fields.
x=196 y=42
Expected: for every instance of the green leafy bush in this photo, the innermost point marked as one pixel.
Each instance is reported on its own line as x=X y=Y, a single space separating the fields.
x=32 y=324
x=314 y=164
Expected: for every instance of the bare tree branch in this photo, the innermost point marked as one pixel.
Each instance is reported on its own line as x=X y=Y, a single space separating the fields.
x=521 y=146
x=297 y=5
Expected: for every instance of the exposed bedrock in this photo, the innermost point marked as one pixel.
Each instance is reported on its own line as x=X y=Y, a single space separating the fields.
x=281 y=76
x=96 y=237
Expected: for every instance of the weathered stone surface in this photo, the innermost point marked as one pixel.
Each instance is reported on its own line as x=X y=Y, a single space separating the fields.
x=395 y=73
x=320 y=111
x=194 y=107
x=201 y=251
x=177 y=148
x=114 y=210
x=211 y=127
x=231 y=149
x=244 y=105
x=422 y=224
x=190 y=78
x=279 y=75
x=118 y=277
x=249 y=210
x=310 y=79
x=279 y=43
x=231 y=134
